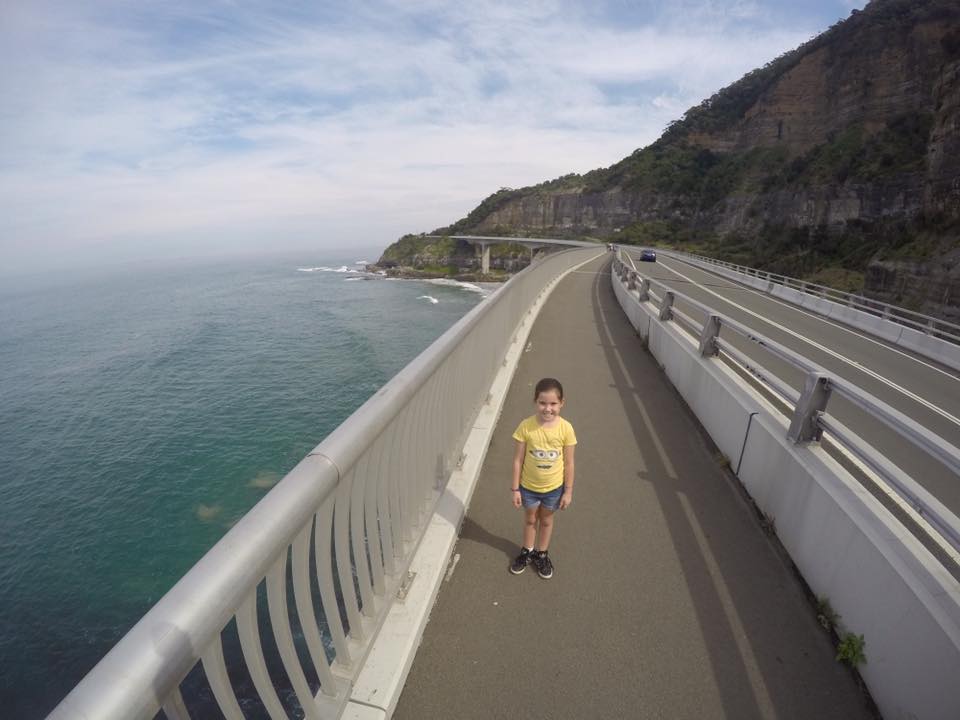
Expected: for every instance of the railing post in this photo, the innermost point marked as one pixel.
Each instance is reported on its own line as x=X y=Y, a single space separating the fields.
x=708 y=338
x=632 y=280
x=813 y=401
x=644 y=292
x=666 y=306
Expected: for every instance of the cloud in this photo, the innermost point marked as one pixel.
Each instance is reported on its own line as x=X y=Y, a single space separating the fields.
x=127 y=124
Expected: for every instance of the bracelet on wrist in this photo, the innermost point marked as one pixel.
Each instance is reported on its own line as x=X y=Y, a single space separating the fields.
x=514 y=489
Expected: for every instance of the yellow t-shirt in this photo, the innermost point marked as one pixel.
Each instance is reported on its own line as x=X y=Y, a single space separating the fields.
x=543 y=460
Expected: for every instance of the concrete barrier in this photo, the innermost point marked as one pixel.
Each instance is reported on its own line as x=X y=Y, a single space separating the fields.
x=884 y=584
x=905 y=336
x=930 y=347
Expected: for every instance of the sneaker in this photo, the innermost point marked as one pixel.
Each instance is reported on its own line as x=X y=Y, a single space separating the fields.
x=523 y=559
x=543 y=564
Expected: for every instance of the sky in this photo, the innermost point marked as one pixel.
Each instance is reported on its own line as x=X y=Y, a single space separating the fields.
x=140 y=129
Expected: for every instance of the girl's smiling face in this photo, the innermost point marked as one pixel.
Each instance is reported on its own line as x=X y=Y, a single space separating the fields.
x=548 y=406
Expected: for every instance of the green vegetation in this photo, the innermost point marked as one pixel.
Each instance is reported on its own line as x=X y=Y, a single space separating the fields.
x=429 y=256
x=654 y=232
x=826 y=615
x=410 y=245
x=850 y=649
x=699 y=178
x=851 y=281
x=855 y=155
x=798 y=252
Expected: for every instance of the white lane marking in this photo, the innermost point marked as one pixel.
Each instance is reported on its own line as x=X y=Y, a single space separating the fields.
x=453 y=564
x=830 y=322
x=868 y=371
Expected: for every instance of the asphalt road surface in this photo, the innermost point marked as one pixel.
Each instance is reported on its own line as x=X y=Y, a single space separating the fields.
x=920 y=388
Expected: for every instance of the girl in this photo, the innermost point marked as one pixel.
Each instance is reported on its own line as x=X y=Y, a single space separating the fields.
x=542 y=474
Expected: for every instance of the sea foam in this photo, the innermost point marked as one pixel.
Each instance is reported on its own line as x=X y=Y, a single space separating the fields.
x=324 y=268
x=470 y=287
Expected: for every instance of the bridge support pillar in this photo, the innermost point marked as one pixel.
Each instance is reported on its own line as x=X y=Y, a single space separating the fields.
x=484 y=258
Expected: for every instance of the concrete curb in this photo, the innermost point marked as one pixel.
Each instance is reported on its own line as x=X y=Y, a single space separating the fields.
x=378 y=687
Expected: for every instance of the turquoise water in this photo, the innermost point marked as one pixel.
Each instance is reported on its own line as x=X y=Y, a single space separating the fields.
x=143 y=410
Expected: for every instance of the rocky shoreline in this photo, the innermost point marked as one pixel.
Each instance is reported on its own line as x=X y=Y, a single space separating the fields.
x=405 y=272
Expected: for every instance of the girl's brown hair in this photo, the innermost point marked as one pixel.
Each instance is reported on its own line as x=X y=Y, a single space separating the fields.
x=546 y=385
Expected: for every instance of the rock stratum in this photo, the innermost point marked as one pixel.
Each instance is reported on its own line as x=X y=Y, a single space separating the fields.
x=838 y=162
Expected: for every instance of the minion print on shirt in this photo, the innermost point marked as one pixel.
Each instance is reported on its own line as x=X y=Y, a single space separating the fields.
x=543 y=460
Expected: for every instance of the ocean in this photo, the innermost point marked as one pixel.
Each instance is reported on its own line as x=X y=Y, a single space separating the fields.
x=144 y=409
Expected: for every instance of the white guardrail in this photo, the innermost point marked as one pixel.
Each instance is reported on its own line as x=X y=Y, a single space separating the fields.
x=884 y=583
x=928 y=336
x=810 y=416
x=340 y=529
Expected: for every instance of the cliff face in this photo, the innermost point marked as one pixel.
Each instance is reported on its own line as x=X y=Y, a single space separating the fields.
x=844 y=152
x=928 y=284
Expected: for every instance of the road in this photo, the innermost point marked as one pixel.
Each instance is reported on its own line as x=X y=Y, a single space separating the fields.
x=920 y=388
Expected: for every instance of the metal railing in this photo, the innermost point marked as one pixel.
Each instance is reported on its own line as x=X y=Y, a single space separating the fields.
x=926 y=324
x=810 y=417
x=346 y=520
x=526 y=240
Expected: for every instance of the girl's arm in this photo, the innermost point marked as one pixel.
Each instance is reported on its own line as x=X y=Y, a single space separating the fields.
x=519 y=451
x=569 y=471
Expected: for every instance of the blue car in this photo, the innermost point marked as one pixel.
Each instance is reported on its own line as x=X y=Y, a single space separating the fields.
x=648 y=256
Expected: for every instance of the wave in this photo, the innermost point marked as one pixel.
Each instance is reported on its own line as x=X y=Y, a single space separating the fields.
x=361 y=262
x=431 y=298
x=324 y=268
x=470 y=287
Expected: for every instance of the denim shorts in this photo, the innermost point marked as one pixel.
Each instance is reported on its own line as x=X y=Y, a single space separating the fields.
x=550 y=500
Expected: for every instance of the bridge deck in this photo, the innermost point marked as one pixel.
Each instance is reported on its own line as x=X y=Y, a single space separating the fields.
x=668 y=600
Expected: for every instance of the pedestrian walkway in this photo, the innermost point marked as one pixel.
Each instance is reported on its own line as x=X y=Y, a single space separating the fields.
x=668 y=599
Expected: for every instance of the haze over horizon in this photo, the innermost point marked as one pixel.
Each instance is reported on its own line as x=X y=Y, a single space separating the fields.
x=136 y=131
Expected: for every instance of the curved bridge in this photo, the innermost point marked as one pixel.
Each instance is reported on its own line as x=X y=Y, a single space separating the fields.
x=721 y=479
